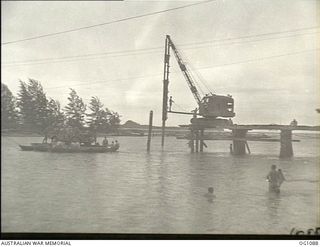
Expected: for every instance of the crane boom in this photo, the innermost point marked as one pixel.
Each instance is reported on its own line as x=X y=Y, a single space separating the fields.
x=213 y=108
x=185 y=71
x=210 y=106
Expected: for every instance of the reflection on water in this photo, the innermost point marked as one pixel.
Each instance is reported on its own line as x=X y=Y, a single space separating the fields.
x=158 y=192
x=273 y=204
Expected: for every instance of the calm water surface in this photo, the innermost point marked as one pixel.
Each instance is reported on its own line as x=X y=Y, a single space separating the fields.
x=162 y=192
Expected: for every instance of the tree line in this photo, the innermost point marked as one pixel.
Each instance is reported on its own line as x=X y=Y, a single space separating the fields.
x=32 y=110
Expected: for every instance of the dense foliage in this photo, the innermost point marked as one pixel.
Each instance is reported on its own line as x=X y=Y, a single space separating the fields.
x=75 y=110
x=9 y=111
x=32 y=110
x=101 y=119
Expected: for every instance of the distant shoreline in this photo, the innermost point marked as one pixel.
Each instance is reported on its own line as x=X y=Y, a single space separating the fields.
x=170 y=131
x=19 y=133
x=140 y=131
x=24 y=133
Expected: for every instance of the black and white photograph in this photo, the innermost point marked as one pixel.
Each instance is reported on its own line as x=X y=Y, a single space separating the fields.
x=158 y=118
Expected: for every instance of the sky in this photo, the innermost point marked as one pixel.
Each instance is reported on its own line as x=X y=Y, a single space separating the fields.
x=265 y=53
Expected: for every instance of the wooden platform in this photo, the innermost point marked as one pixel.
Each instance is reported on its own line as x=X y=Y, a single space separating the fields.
x=272 y=127
x=254 y=127
x=239 y=135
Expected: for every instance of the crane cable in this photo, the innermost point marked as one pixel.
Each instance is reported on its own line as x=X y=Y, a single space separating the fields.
x=180 y=107
x=187 y=64
x=200 y=78
x=192 y=74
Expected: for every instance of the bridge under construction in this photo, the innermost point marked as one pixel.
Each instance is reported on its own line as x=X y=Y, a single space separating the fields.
x=216 y=111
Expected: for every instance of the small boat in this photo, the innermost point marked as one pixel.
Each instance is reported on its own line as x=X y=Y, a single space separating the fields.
x=46 y=147
x=85 y=149
x=43 y=147
x=26 y=148
x=70 y=140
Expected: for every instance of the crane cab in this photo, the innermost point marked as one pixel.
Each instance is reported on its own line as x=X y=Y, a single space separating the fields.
x=217 y=106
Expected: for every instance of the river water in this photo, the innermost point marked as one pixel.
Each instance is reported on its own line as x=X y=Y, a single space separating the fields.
x=131 y=191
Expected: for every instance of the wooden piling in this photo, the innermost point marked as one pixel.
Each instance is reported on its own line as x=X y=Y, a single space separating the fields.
x=201 y=139
x=239 y=146
x=197 y=141
x=286 y=150
x=150 y=131
x=193 y=134
x=247 y=146
x=191 y=142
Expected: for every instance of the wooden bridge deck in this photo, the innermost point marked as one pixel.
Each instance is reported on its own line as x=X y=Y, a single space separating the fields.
x=255 y=127
x=273 y=127
x=239 y=133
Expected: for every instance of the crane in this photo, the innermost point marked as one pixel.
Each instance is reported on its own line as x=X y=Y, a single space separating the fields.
x=210 y=105
x=185 y=71
x=213 y=108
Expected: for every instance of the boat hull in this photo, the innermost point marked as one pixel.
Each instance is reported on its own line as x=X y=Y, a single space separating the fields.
x=57 y=149
x=26 y=148
x=83 y=149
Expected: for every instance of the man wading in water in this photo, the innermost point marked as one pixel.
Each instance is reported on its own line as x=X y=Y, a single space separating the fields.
x=209 y=195
x=275 y=179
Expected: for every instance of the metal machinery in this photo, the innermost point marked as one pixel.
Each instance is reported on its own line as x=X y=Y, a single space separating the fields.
x=211 y=107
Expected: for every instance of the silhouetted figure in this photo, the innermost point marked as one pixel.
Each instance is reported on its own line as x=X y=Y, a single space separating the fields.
x=116 y=144
x=170 y=103
x=273 y=180
x=231 y=149
x=105 y=141
x=209 y=195
x=45 y=139
x=294 y=122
